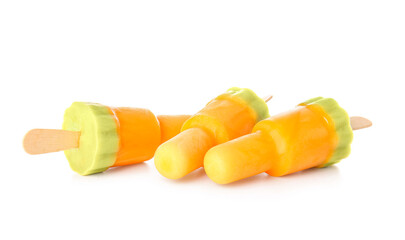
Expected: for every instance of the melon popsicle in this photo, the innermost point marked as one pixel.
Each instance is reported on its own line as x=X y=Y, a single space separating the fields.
x=317 y=133
x=226 y=117
x=96 y=137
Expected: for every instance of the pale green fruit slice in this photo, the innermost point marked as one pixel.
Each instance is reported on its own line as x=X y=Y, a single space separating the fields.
x=99 y=140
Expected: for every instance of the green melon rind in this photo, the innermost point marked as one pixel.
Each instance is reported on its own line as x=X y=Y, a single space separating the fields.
x=99 y=140
x=255 y=102
x=343 y=129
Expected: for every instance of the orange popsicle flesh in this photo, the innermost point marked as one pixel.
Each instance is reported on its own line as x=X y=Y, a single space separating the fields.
x=280 y=145
x=170 y=125
x=309 y=139
x=225 y=118
x=139 y=135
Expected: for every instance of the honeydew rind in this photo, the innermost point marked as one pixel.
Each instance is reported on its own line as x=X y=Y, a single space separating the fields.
x=251 y=99
x=99 y=140
x=341 y=121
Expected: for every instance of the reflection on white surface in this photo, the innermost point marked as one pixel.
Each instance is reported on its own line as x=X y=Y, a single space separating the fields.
x=306 y=177
x=315 y=177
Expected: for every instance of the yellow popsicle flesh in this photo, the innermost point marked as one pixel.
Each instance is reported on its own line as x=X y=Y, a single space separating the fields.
x=173 y=158
x=240 y=158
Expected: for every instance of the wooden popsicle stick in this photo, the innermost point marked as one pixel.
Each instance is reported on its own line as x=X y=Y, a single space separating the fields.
x=267 y=98
x=359 y=123
x=38 y=141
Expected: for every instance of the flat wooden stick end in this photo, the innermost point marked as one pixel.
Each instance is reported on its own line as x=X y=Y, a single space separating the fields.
x=360 y=123
x=39 y=141
x=268 y=98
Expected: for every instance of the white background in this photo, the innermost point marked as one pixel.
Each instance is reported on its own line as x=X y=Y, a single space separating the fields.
x=173 y=57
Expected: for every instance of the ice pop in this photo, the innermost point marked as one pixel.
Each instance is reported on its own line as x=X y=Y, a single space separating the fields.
x=317 y=133
x=226 y=117
x=96 y=137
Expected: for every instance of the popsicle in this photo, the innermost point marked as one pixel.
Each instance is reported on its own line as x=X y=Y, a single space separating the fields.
x=226 y=117
x=317 y=133
x=96 y=137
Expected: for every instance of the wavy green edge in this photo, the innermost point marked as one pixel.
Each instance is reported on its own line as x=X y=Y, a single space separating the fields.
x=342 y=126
x=99 y=140
x=255 y=102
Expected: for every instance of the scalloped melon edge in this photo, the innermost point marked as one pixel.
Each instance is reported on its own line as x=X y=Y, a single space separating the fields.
x=250 y=98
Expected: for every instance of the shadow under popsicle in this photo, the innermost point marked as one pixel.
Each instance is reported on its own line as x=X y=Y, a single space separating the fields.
x=129 y=169
x=308 y=177
x=116 y=171
x=196 y=175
